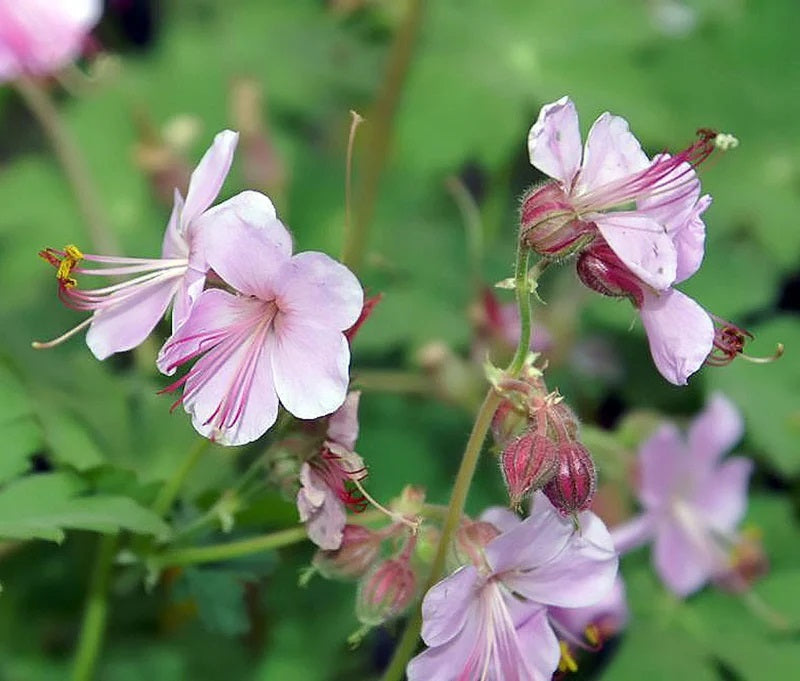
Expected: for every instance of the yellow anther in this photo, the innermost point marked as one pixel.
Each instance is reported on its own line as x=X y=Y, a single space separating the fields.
x=72 y=256
x=73 y=252
x=567 y=662
x=592 y=634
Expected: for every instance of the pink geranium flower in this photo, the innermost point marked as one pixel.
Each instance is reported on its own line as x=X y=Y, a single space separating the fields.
x=491 y=621
x=692 y=500
x=38 y=37
x=279 y=338
x=635 y=222
x=326 y=479
x=124 y=313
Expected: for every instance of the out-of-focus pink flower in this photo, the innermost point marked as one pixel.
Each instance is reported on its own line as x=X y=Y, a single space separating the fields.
x=38 y=37
x=326 y=479
x=490 y=621
x=692 y=500
x=124 y=313
x=635 y=222
x=279 y=338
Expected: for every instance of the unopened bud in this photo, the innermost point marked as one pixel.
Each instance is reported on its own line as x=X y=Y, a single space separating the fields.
x=572 y=487
x=385 y=592
x=359 y=549
x=410 y=501
x=470 y=539
x=527 y=464
x=549 y=224
x=601 y=270
x=508 y=423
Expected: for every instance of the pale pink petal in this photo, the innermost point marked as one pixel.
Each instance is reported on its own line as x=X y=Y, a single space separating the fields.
x=539 y=538
x=209 y=175
x=310 y=365
x=611 y=153
x=321 y=510
x=189 y=290
x=663 y=463
x=690 y=241
x=502 y=518
x=715 y=430
x=680 y=560
x=447 y=604
x=632 y=534
x=554 y=141
x=247 y=253
x=456 y=660
x=721 y=498
x=679 y=331
x=581 y=574
x=175 y=244
x=610 y=614
x=642 y=244
x=126 y=325
x=321 y=291
x=539 y=649
x=673 y=196
x=343 y=423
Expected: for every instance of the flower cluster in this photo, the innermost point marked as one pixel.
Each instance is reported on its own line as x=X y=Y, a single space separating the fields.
x=693 y=502
x=492 y=619
x=263 y=325
x=635 y=225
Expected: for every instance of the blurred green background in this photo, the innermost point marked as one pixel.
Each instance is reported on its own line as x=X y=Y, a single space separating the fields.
x=287 y=73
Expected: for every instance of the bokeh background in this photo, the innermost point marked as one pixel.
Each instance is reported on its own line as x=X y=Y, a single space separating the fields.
x=449 y=90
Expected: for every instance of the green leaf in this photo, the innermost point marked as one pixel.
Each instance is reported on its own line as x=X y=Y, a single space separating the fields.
x=42 y=506
x=219 y=596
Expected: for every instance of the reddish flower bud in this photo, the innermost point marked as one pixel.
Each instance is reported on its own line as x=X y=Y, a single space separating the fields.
x=527 y=464
x=549 y=224
x=508 y=423
x=572 y=487
x=601 y=270
x=359 y=549
x=468 y=543
x=386 y=591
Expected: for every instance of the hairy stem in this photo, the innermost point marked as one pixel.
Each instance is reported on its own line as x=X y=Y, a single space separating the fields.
x=95 y=612
x=378 y=133
x=72 y=162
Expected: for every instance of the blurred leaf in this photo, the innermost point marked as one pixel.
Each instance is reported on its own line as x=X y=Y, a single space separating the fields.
x=41 y=506
x=219 y=597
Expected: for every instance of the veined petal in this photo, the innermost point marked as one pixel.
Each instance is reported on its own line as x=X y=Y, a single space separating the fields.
x=175 y=244
x=455 y=660
x=188 y=291
x=581 y=574
x=501 y=517
x=310 y=365
x=321 y=510
x=679 y=331
x=684 y=563
x=673 y=197
x=721 y=498
x=124 y=326
x=244 y=245
x=209 y=175
x=715 y=430
x=539 y=649
x=554 y=141
x=690 y=241
x=320 y=290
x=447 y=604
x=642 y=244
x=663 y=464
x=343 y=423
x=611 y=153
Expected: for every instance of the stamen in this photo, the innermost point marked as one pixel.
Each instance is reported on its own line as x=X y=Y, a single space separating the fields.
x=413 y=525
x=45 y=345
x=567 y=662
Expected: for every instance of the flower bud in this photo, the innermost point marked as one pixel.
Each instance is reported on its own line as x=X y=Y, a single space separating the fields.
x=572 y=487
x=386 y=591
x=549 y=224
x=410 y=501
x=508 y=423
x=601 y=270
x=359 y=549
x=468 y=543
x=527 y=464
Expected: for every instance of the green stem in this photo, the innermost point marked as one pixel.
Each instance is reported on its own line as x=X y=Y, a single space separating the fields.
x=378 y=133
x=95 y=612
x=169 y=491
x=72 y=162
x=408 y=643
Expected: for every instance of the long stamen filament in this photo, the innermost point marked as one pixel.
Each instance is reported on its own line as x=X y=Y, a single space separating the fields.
x=45 y=345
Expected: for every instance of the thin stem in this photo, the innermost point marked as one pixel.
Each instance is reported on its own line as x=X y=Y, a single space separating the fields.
x=473 y=224
x=169 y=491
x=378 y=133
x=72 y=162
x=95 y=612
x=469 y=461
x=355 y=121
